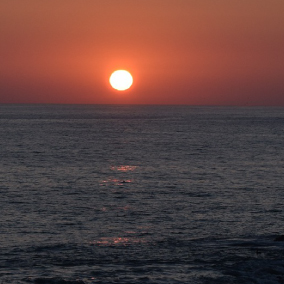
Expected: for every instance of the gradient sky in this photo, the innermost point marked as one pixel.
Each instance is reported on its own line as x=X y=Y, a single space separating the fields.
x=196 y=52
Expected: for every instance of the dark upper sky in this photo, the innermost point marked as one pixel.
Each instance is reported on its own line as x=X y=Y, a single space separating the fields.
x=200 y=52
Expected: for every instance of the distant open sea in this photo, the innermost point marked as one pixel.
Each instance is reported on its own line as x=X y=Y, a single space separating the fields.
x=141 y=194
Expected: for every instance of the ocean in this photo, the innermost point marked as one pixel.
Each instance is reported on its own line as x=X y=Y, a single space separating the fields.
x=141 y=194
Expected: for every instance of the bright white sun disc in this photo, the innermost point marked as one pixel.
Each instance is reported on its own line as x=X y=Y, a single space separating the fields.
x=121 y=80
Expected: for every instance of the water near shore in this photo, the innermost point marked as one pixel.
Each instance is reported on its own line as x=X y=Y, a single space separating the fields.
x=141 y=194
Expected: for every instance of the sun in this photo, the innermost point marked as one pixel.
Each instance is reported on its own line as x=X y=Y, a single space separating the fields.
x=121 y=80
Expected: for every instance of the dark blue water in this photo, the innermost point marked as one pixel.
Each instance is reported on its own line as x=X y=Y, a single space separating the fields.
x=141 y=194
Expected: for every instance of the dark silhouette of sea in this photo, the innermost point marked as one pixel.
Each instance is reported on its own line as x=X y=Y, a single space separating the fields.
x=141 y=194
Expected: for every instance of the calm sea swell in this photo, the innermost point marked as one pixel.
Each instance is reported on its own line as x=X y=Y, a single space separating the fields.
x=141 y=194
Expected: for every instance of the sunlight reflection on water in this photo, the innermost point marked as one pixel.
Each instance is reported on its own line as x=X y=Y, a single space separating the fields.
x=123 y=168
x=120 y=180
x=113 y=241
x=141 y=195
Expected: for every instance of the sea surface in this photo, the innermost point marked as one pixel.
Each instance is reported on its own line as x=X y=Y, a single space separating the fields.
x=141 y=194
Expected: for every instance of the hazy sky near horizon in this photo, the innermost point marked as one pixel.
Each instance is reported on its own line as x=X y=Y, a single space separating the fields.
x=197 y=52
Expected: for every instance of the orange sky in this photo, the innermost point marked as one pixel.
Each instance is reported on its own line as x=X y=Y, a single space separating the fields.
x=196 y=52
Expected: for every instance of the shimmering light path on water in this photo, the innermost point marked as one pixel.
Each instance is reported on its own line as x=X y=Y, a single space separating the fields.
x=141 y=194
